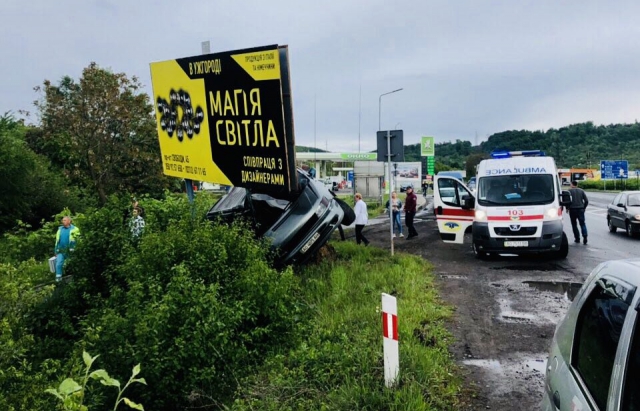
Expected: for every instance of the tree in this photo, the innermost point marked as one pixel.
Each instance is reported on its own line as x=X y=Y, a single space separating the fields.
x=30 y=190
x=472 y=161
x=101 y=131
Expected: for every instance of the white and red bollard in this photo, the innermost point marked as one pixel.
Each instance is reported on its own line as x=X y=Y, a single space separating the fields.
x=390 y=339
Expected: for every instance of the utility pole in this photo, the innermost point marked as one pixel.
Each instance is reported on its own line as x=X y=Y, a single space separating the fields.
x=359 y=116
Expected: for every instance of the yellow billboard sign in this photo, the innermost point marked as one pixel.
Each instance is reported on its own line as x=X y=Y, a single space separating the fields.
x=221 y=118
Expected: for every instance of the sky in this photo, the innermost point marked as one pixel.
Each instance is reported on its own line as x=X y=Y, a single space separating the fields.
x=467 y=68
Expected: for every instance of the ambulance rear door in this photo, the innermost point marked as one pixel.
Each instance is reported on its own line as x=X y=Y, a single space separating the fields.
x=453 y=205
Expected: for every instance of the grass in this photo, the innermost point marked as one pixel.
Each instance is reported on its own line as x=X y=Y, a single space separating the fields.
x=338 y=364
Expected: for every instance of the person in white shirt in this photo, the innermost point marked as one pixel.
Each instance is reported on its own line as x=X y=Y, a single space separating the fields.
x=362 y=218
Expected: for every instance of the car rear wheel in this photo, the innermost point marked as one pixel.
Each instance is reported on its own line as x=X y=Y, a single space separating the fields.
x=612 y=228
x=349 y=214
x=481 y=255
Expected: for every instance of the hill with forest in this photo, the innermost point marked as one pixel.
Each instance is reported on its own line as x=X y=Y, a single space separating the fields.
x=578 y=145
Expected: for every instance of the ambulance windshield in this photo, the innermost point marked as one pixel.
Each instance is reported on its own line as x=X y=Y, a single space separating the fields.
x=515 y=189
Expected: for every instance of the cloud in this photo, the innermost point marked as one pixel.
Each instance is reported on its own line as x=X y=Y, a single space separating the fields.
x=467 y=67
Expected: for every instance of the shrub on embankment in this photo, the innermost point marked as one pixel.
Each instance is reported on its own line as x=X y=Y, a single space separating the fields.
x=214 y=326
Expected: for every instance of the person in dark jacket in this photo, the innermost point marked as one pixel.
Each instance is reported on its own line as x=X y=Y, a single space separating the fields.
x=579 y=203
x=410 y=211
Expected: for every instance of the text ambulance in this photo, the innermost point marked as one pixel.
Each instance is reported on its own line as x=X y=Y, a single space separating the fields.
x=516 y=207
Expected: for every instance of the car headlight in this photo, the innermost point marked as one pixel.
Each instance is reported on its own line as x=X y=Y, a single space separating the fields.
x=637 y=216
x=552 y=212
x=321 y=209
x=481 y=215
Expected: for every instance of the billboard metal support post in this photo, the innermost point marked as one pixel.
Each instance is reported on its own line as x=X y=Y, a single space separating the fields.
x=205 y=49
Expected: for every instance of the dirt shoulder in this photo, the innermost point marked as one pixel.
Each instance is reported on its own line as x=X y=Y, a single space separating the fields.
x=503 y=326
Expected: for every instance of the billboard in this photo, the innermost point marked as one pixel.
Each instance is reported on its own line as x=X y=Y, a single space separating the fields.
x=226 y=118
x=427 y=147
x=403 y=175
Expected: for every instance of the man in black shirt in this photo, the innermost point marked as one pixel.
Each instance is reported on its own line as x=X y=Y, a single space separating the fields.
x=579 y=203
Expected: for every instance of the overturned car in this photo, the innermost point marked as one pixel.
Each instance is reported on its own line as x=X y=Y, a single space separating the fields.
x=297 y=226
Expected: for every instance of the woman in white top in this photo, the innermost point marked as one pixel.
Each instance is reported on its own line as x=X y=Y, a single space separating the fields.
x=362 y=218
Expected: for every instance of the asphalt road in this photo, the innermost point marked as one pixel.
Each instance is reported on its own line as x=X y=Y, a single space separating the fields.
x=506 y=308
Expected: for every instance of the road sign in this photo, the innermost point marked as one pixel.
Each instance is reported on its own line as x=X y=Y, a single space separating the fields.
x=350 y=175
x=427 y=147
x=614 y=169
x=397 y=146
x=226 y=118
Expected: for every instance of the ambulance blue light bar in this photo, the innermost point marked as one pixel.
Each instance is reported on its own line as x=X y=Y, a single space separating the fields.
x=524 y=153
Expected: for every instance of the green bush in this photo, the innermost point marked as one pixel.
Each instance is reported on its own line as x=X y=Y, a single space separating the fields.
x=196 y=302
x=20 y=378
x=618 y=185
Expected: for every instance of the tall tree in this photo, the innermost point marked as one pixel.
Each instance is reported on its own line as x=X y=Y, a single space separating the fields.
x=101 y=131
x=30 y=191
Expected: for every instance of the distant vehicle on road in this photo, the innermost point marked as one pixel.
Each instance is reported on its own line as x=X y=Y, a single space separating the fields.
x=472 y=184
x=624 y=213
x=404 y=186
x=594 y=360
x=454 y=174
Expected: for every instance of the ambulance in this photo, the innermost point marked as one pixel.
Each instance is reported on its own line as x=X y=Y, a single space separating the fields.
x=516 y=207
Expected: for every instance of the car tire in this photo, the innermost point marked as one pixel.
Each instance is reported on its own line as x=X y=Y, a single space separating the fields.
x=349 y=214
x=480 y=255
x=564 y=248
x=628 y=229
x=612 y=228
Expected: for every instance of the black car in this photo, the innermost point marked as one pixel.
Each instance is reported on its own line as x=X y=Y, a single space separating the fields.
x=624 y=213
x=297 y=226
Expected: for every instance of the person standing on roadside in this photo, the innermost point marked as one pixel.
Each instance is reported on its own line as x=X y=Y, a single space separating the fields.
x=396 y=206
x=410 y=204
x=579 y=203
x=136 y=224
x=362 y=218
x=66 y=238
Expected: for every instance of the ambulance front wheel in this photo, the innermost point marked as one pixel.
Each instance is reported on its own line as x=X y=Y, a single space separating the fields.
x=564 y=247
x=481 y=255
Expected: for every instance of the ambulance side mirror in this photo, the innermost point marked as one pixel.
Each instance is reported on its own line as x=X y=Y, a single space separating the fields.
x=468 y=202
x=565 y=199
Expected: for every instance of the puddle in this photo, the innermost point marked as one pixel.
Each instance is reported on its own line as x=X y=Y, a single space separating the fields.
x=536 y=365
x=532 y=267
x=560 y=287
x=489 y=364
x=453 y=277
x=508 y=314
x=520 y=372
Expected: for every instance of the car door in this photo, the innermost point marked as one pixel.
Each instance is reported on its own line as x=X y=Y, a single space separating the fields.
x=612 y=210
x=621 y=211
x=449 y=207
x=626 y=395
x=589 y=381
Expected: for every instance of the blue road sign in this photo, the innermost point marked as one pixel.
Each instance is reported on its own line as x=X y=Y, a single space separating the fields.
x=350 y=175
x=614 y=169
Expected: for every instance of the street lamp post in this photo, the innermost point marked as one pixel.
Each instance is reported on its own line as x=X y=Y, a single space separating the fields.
x=388 y=165
x=380 y=106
